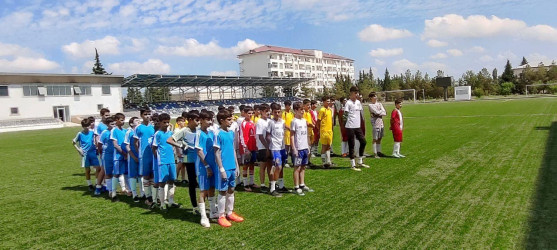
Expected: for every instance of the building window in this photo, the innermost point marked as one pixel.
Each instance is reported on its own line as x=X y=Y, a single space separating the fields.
x=3 y=90
x=30 y=90
x=59 y=90
x=76 y=90
x=14 y=111
x=106 y=90
x=99 y=107
x=85 y=89
x=42 y=91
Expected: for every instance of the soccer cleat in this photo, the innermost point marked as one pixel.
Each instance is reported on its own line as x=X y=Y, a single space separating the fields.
x=307 y=189
x=300 y=192
x=377 y=157
x=149 y=201
x=363 y=165
x=396 y=156
x=254 y=186
x=283 y=190
x=129 y=193
x=164 y=207
x=286 y=165
x=275 y=193
x=356 y=169
x=104 y=190
x=344 y=155
x=326 y=165
x=247 y=189
x=115 y=199
x=185 y=183
x=205 y=222
x=97 y=192
x=223 y=222
x=234 y=217
x=380 y=154
x=401 y=156
x=135 y=199
x=143 y=198
x=91 y=188
x=264 y=189
x=175 y=205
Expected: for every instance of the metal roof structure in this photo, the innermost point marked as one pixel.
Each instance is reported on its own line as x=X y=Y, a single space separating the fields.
x=179 y=81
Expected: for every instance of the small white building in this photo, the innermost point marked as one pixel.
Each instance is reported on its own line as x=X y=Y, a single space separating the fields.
x=61 y=96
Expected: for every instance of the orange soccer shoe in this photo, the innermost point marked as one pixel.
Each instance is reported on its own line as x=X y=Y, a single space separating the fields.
x=224 y=222
x=234 y=217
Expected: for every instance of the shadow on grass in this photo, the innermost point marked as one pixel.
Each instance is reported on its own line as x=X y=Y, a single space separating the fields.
x=182 y=213
x=542 y=224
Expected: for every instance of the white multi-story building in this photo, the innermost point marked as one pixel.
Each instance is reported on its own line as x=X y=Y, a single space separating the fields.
x=61 y=96
x=272 y=61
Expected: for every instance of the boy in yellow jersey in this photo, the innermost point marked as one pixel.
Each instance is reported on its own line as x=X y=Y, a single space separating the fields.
x=310 y=125
x=325 y=121
x=256 y=113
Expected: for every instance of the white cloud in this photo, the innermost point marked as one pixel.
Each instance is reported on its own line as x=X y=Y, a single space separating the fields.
x=455 y=52
x=535 y=58
x=486 y=58
x=193 y=48
x=27 y=64
x=439 y=56
x=436 y=43
x=433 y=67
x=379 y=62
x=7 y=49
x=225 y=73
x=506 y=55
x=478 y=26
x=477 y=49
x=151 y=66
x=386 y=52
x=108 y=45
x=378 y=33
x=401 y=66
x=17 y=19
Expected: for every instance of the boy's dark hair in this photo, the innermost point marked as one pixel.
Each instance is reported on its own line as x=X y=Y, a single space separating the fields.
x=242 y=107
x=180 y=119
x=221 y=108
x=185 y=114
x=223 y=115
x=92 y=119
x=256 y=107
x=324 y=98
x=275 y=106
x=155 y=118
x=297 y=106
x=194 y=114
x=313 y=102
x=119 y=116
x=104 y=110
x=398 y=101
x=109 y=120
x=231 y=108
x=85 y=123
x=342 y=99
x=306 y=101
x=248 y=109
x=354 y=89
x=372 y=94
x=205 y=115
x=132 y=119
x=164 y=117
x=204 y=110
x=144 y=110
x=333 y=98
x=212 y=113
x=287 y=102
x=264 y=107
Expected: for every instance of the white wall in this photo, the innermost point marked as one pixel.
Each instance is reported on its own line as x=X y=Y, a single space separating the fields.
x=42 y=106
x=255 y=65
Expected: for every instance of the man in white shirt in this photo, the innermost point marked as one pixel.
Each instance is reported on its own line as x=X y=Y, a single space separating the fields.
x=377 y=111
x=353 y=115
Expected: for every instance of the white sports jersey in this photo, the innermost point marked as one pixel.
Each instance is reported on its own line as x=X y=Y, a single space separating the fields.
x=276 y=129
x=261 y=129
x=240 y=135
x=354 y=109
x=377 y=109
x=300 y=129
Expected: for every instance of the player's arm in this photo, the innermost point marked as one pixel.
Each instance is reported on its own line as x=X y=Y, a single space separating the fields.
x=77 y=147
x=382 y=111
x=218 y=159
x=115 y=143
x=178 y=147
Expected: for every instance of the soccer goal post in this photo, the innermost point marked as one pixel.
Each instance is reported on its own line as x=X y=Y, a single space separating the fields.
x=392 y=95
x=541 y=88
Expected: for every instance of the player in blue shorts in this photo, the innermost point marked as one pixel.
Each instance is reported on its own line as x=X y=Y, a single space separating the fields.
x=87 y=151
x=133 y=159
x=276 y=129
x=99 y=128
x=164 y=150
x=155 y=163
x=117 y=136
x=142 y=133
x=225 y=157
x=108 y=155
x=300 y=148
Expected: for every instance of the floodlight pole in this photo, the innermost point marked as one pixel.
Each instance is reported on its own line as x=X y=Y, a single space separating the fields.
x=423 y=93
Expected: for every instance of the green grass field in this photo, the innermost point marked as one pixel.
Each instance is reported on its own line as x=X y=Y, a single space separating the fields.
x=478 y=174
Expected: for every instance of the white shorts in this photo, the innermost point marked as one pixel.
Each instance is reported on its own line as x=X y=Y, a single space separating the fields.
x=378 y=133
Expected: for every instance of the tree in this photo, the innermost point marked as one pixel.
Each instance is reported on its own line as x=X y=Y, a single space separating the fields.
x=98 y=68
x=134 y=96
x=552 y=73
x=269 y=91
x=508 y=75
x=342 y=86
x=524 y=61
x=386 y=81
x=494 y=75
x=307 y=92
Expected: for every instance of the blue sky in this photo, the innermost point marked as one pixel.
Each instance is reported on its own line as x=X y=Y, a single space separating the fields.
x=204 y=37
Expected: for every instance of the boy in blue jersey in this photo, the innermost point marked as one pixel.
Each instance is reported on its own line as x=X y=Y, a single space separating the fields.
x=142 y=133
x=117 y=136
x=87 y=151
x=108 y=155
x=133 y=159
x=225 y=157
x=102 y=126
x=154 y=163
x=205 y=167
x=164 y=152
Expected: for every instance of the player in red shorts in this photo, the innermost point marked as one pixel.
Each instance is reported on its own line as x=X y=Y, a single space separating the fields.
x=397 y=127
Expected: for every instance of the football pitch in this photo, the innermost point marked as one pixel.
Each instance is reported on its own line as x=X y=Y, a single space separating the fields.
x=479 y=174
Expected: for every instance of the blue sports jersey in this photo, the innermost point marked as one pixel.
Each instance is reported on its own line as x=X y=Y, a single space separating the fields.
x=204 y=142
x=118 y=135
x=128 y=139
x=108 y=147
x=143 y=133
x=86 y=141
x=165 y=151
x=225 y=141
x=101 y=127
x=191 y=153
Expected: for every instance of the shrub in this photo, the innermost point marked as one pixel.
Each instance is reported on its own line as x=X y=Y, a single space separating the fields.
x=506 y=88
x=478 y=92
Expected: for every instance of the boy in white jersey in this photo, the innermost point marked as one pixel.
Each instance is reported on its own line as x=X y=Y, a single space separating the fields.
x=299 y=139
x=353 y=115
x=87 y=151
x=263 y=154
x=240 y=144
x=377 y=111
x=276 y=145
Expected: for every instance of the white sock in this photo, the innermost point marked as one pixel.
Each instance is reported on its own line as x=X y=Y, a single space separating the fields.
x=324 y=158
x=109 y=185
x=201 y=210
x=146 y=187
x=162 y=194
x=155 y=192
x=133 y=186
x=328 y=155
x=89 y=183
x=165 y=191
x=281 y=183
x=212 y=207
x=122 y=181
x=222 y=204
x=374 y=146
x=171 y=190
x=141 y=187
x=127 y=179
x=114 y=185
x=251 y=179
x=353 y=163
x=395 y=148
x=398 y=148
x=229 y=203
x=273 y=186
x=379 y=148
x=361 y=160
